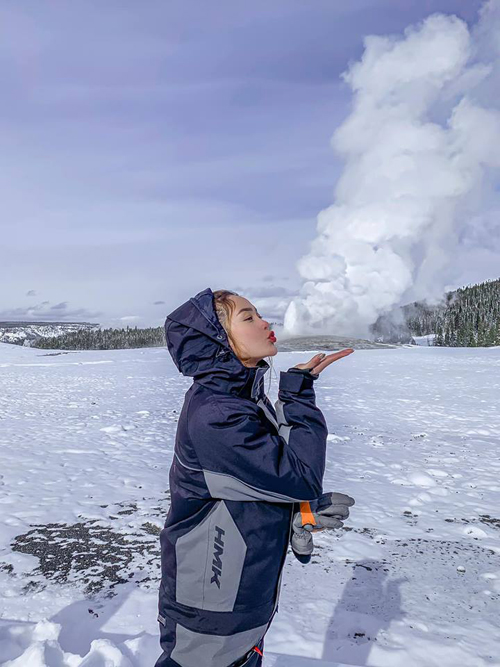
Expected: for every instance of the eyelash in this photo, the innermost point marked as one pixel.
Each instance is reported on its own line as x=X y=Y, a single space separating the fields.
x=249 y=318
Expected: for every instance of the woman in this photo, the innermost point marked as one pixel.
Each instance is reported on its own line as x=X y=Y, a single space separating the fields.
x=239 y=472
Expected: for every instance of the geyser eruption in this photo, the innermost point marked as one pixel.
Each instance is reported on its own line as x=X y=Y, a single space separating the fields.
x=418 y=146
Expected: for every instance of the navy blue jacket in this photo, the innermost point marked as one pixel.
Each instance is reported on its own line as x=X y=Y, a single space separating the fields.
x=240 y=465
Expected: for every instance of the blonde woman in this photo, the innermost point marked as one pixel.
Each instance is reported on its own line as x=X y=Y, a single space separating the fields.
x=242 y=471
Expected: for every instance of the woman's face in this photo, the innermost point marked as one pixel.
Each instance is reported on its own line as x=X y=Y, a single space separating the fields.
x=251 y=332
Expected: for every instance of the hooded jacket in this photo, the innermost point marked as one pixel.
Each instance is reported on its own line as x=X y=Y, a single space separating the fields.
x=239 y=466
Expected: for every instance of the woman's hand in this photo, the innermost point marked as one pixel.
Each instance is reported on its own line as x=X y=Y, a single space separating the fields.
x=320 y=361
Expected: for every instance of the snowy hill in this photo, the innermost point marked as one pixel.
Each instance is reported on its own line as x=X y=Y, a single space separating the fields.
x=23 y=333
x=413 y=579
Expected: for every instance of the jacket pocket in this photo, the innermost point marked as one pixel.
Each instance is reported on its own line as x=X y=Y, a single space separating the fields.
x=209 y=562
x=194 y=649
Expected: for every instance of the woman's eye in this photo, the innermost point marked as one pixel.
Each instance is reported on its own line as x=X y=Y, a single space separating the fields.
x=248 y=318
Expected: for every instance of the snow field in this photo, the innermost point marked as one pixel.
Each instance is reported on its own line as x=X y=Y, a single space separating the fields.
x=413 y=579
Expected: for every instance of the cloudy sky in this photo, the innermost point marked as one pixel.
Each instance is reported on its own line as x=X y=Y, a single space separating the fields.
x=150 y=150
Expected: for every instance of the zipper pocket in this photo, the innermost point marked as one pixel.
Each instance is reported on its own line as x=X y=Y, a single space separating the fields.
x=247 y=661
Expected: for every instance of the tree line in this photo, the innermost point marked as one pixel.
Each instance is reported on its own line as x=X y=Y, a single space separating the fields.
x=105 y=339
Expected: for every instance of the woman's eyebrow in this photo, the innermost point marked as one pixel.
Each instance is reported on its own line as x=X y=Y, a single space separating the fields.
x=250 y=309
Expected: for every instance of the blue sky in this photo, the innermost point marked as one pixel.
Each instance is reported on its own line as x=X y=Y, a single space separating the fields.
x=150 y=150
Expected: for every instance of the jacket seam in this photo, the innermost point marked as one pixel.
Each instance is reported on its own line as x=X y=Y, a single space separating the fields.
x=186 y=465
x=239 y=608
x=256 y=488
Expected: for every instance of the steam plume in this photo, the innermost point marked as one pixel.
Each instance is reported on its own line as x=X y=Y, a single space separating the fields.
x=419 y=146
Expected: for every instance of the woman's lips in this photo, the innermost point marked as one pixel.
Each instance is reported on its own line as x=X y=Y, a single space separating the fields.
x=272 y=337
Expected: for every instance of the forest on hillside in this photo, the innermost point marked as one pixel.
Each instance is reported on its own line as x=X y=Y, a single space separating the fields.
x=466 y=317
x=469 y=317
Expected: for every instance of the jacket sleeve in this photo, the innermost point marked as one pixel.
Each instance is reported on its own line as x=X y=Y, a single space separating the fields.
x=243 y=457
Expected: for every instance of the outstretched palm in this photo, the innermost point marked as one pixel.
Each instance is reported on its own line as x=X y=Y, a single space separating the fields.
x=319 y=363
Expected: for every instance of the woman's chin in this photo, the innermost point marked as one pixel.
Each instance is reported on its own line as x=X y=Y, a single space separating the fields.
x=273 y=349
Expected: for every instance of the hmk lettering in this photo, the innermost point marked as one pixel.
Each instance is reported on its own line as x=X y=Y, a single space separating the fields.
x=218 y=550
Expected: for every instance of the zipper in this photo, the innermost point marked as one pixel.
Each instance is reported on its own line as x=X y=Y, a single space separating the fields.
x=275 y=609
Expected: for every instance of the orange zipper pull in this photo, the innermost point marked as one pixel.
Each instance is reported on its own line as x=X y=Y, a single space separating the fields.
x=306 y=513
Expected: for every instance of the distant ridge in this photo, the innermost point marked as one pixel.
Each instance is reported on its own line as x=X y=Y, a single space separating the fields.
x=12 y=323
x=29 y=333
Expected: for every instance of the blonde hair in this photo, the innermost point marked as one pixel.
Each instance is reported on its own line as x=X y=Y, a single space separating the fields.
x=224 y=309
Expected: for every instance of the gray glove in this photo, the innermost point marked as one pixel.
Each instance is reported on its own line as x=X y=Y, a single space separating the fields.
x=327 y=511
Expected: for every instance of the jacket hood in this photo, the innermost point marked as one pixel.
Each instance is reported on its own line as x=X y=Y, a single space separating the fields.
x=199 y=347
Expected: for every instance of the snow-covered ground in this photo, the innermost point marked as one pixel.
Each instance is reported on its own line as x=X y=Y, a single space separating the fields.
x=413 y=580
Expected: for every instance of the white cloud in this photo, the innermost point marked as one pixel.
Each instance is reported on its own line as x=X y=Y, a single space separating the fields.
x=60 y=312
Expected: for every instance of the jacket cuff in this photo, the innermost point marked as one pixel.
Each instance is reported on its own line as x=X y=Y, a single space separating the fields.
x=297 y=379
